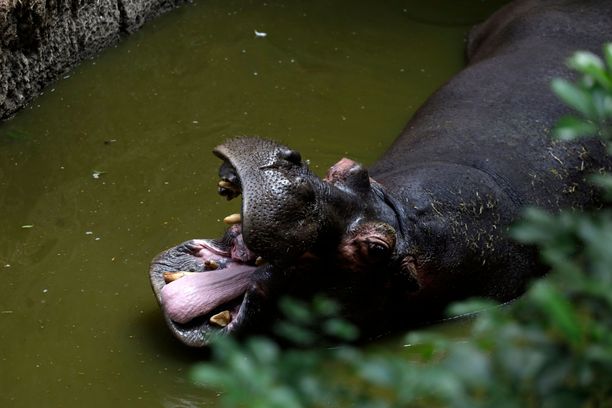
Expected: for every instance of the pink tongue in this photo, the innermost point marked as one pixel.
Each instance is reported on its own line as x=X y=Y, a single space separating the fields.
x=195 y=295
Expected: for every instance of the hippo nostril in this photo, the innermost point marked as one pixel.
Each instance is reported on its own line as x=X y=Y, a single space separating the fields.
x=290 y=155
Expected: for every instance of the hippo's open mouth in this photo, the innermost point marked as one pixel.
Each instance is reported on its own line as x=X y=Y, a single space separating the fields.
x=209 y=286
x=201 y=285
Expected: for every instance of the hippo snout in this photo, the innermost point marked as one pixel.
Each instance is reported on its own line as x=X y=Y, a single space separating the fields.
x=279 y=195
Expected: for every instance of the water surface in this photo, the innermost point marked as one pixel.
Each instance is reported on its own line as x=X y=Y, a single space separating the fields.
x=113 y=164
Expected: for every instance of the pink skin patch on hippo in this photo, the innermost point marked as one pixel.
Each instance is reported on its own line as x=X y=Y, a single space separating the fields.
x=340 y=170
x=201 y=249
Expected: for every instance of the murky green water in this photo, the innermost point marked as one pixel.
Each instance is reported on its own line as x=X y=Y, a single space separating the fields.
x=78 y=322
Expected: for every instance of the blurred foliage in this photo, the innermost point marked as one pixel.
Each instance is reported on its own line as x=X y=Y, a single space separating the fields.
x=551 y=348
x=590 y=96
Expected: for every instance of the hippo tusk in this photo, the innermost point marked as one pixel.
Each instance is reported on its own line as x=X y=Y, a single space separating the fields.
x=232 y=219
x=211 y=265
x=172 y=276
x=221 y=319
x=228 y=189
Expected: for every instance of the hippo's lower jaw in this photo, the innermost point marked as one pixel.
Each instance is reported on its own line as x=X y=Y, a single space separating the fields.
x=202 y=286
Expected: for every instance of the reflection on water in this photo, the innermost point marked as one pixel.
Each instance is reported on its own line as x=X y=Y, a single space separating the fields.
x=113 y=164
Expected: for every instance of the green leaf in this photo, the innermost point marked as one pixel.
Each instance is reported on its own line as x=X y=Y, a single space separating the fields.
x=558 y=309
x=377 y=371
x=607 y=107
x=210 y=375
x=340 y=329
x=296 y=311
x=600 y=100
x=264 y=350
x=570 y=128
x=470 y=306
x=286 y=398
x=575 y=97
x=469 y=361
x=590 y=64
x=537 y=227
x=295 y=333
x=607 y=50
x=602 y=180
x=325 y=306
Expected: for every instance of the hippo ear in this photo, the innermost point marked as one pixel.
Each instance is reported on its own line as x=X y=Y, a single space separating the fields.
x=358 y=179
x=349 y=175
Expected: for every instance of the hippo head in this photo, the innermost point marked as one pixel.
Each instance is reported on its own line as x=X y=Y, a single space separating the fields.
x=297 y=235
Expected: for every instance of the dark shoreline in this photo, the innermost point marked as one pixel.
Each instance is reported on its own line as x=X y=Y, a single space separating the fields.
x=42 y=40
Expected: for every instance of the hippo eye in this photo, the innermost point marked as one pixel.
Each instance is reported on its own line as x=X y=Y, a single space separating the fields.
x=377 y=250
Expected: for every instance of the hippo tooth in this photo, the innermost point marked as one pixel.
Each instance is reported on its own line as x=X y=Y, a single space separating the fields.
x=232 y=219
x=228 y=189
x=259 y=261
x=172 y=276
x=225 y=184
x=228 y=185
x=211 y=264
x=221 y=319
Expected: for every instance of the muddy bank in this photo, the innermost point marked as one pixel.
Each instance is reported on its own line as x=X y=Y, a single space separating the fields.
x=42 y=39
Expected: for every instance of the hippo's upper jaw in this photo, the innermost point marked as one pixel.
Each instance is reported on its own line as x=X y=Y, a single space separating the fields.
x=296 y=234
x=280 y=196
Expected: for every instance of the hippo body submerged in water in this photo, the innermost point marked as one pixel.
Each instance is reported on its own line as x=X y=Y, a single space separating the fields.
x=427 y=223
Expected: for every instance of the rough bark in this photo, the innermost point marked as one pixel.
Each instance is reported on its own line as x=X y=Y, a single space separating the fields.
x=42 y=39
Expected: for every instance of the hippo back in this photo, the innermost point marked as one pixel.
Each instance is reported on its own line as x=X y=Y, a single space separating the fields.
x=496 y=115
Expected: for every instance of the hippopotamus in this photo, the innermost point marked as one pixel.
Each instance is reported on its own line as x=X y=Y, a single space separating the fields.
x=425 y=225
